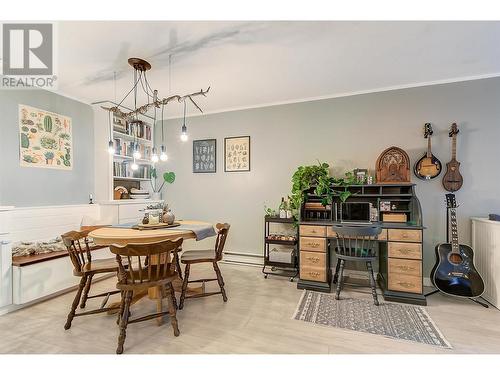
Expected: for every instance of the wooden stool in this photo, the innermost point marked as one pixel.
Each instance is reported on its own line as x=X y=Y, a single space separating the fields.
x=205 y=256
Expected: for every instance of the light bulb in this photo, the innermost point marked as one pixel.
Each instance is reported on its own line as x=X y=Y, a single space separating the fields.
x=134 y=166
x=184 y=135
x=163 y=153
x=154 y=156
x=137 y=153
x=111 y=147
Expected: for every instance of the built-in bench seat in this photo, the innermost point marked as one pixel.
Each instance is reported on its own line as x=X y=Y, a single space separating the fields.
x=26 y=260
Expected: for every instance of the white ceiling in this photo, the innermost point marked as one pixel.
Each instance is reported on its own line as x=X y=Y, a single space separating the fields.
x=259 y=63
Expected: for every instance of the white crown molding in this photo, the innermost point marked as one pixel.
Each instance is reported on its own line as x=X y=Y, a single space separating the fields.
x=341 y=95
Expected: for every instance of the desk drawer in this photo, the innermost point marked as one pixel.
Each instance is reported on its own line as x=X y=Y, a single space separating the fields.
x=312 y=273
x=405 y=267
x=313 y=230
x=405 y=250
x=313 y=244
x=404 y=283
x=405 y=235
x=312 y=259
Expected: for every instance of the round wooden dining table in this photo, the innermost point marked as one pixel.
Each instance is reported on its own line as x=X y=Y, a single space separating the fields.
x=107 y=236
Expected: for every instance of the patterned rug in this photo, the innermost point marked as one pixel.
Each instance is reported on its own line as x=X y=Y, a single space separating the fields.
x=398 y=321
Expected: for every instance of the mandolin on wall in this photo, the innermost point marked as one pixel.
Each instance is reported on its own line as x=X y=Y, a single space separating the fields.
x=452 y=179
x=428 y=166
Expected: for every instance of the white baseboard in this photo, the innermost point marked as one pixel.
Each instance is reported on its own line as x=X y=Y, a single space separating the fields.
x=243 y=258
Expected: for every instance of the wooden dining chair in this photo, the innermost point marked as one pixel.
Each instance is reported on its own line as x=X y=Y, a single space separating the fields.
x=77 y=244
x=149 y=265
x=356 y=244
x=205 y=256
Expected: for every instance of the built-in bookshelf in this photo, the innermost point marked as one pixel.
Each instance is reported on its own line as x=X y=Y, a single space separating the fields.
x=125 y=135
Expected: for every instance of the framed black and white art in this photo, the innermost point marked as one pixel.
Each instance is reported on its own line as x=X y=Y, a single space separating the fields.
x=205 y=156
x=237 y=154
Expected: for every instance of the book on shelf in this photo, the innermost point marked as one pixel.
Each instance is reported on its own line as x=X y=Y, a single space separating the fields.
x=126 y=148
x=122 y=169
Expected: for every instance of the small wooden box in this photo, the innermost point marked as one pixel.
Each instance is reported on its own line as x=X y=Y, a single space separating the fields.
x=394 y=217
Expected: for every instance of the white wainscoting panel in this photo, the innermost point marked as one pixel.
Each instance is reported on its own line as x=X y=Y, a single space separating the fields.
x=43 y=223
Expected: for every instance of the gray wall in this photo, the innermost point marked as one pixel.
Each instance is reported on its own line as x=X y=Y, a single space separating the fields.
x=347 y=133
x=21 y=186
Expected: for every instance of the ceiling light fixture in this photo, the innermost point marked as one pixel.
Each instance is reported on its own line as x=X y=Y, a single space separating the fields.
x=163 y=149
x=184 y=135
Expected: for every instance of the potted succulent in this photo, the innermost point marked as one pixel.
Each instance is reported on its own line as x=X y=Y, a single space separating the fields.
x=49 y=157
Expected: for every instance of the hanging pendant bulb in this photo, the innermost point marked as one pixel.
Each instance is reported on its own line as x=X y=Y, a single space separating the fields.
x=137 y=153
x=111 y=147
x=134 y=166
x=154 y=156
x=111 y=143
x=163 y=153
x=184 y=135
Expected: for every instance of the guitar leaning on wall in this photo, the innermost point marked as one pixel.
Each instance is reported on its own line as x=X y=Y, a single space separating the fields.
x=428 y=167
x=452 y=179
x=454 y=272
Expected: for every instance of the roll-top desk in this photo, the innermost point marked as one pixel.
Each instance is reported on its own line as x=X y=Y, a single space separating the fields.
x=400 y=243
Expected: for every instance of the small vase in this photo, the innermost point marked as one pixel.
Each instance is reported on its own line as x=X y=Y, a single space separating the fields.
x=168 y=217
x=156 y=196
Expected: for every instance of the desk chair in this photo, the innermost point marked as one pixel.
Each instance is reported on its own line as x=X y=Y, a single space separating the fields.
x=205 y=256
x=85 y=267
x=149 y=266
x=357 y=244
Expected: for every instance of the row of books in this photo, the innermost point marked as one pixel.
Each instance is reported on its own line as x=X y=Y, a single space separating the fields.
x=122 y=169
x=125 y=148
x=143 y=129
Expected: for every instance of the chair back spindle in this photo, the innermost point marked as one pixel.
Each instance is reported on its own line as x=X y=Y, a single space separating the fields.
x=77 y=244
x=355 y=241
x=148 y=264
x=222 y=232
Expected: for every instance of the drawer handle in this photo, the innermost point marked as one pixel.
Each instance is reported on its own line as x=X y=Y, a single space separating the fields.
x=404 y=235
x=313 y=274
x=313 y=244
x=406 y=284
x=313 y=259
x=405 y=251
x=406 y=268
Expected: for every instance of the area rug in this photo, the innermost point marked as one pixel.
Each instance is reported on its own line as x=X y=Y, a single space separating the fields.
x=397 y=321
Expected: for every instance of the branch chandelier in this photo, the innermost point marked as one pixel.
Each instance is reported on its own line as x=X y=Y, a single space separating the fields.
x=141 y=81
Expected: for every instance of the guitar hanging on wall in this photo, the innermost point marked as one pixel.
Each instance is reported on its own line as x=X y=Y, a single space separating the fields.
x=452 y=179
x=428 y=167
x=454 y=272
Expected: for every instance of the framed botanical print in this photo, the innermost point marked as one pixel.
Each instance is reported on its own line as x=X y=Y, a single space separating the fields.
x=205 y=156
x=237 y=154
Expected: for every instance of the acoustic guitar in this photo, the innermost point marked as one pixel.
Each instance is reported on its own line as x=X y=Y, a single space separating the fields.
x=428 y=167
x=452 y=179
x=454 y=272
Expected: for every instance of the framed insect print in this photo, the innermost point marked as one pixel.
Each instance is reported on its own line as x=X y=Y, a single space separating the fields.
x=205 y=156
x=237 y=154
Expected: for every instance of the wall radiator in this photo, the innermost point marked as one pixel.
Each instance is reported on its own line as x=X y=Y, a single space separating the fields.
x=486 y=246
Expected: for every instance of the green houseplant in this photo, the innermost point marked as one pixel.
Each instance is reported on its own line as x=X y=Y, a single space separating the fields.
x=168 y=177
x=318 y=176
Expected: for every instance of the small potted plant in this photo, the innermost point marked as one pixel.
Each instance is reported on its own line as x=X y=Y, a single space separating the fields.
x=49 y=157
x=168 y=177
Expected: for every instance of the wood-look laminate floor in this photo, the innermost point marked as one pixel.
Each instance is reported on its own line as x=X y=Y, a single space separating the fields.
x=256 y=319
